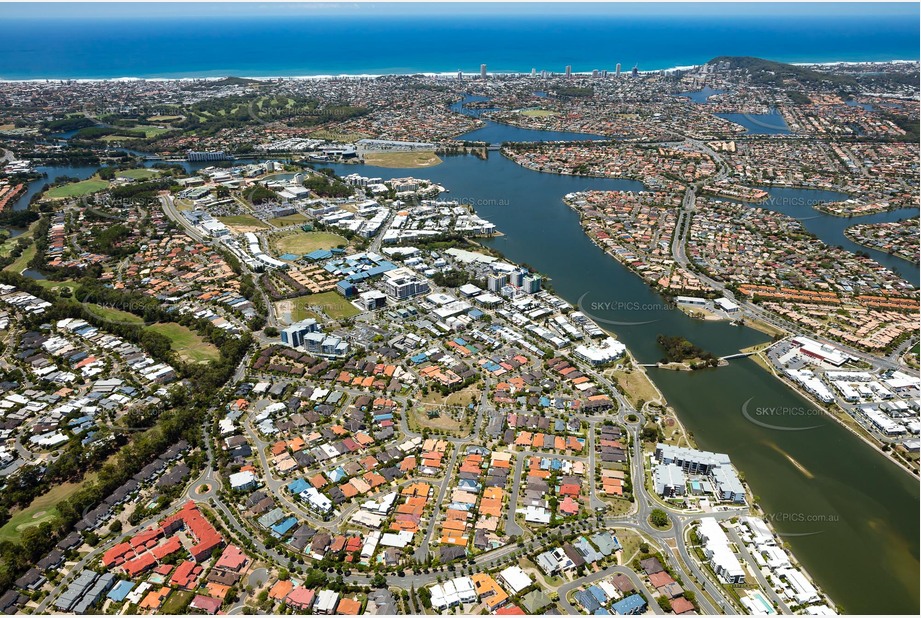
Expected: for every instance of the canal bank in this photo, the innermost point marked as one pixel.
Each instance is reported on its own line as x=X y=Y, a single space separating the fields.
x=800 y=205
x=846 y=483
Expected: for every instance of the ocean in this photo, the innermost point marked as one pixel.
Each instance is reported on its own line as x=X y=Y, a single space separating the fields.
x=43 y=47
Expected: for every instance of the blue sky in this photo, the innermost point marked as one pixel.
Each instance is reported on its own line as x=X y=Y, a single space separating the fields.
x=678 y=9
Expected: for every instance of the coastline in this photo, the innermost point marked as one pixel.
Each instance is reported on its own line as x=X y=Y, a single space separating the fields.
x=224 y=73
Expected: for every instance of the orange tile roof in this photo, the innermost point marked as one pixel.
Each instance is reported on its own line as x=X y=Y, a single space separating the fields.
x=280 y=589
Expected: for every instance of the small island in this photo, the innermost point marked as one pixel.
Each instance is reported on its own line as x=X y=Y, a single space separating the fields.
x=682 y=354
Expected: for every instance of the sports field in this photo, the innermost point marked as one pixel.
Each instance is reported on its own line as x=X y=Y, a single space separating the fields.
x=138 y=173
x=77 y=189
x=305 y=242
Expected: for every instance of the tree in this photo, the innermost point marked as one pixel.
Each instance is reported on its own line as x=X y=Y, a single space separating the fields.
x=664 y=604
x=425 y=597
x=658 y=518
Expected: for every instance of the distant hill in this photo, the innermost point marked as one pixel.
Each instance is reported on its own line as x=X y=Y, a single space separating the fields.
x=771 y=73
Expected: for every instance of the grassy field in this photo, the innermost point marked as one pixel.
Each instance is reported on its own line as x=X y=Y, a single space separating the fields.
x=636 y=384
x=330 y=303
x=243 y=222
x=43 y=508
x=457 y=398
x=183 y=204
x=630 y=541
x=401 y=159
x=7 y=246
x=295 y=219
x=187 y=344
x=305 y=242
x=164 y=118
x=138 y=173
x=77 y=189
x=764 y=327
x=115 y=139
x=419 y=419
x=22 y=262
x=538 y=113
x=48 y=284
x=297 y=309
x=110 y=314
x=177 y=602
x=147 y=130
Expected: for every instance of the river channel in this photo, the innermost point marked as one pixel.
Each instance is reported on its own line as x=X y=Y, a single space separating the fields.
x=848 y=514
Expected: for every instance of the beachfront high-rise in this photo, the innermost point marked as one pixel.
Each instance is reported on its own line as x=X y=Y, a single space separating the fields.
x=617 y=69
x=482 y=71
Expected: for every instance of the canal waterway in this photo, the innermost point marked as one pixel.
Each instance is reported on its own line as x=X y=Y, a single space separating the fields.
x=799 y=204
x=849 y=514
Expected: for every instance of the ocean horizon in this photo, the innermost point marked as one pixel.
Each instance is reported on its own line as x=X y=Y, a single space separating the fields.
x=444 y=74
x=312 y=46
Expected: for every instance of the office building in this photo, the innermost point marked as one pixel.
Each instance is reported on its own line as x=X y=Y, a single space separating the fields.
x=372 y=299
x=294 y=334
x=403 y=283
x=325 y=345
